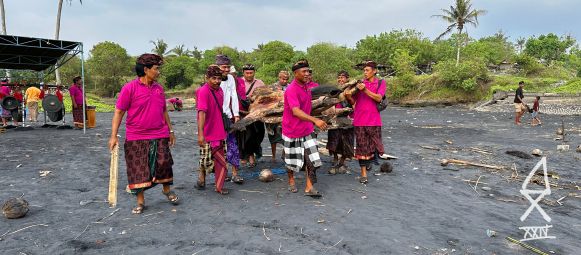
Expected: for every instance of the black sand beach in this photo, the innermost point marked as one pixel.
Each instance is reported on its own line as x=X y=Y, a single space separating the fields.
x=419 y=208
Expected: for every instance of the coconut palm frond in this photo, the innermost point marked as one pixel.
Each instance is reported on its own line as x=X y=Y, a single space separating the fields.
x=448 y=30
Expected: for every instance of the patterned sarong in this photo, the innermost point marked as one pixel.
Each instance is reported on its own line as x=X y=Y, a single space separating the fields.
x=149 y=162
x=368 y=142
x=78 y=115
x=341 y=141
x=299 y=150
x=232 y=153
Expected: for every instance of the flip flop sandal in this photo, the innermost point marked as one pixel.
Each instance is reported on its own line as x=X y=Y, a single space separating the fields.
x=223 y=192
x=237 y=179
x=138 y=209
x=293 y=188
x=227 y=179
x=172 y=197
x=363 y=180
x=200 y=185
x=313 y=193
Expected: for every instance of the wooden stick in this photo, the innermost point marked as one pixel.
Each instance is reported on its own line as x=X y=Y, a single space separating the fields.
x=264 y=232
x=16 y=231
x=445 y=162
x=430 y=147
x=112 y=197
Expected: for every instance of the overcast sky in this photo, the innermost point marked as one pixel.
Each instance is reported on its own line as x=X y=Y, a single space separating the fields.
x=244 y=24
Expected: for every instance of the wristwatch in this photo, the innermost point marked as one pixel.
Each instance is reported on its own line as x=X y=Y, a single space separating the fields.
x=171 y=132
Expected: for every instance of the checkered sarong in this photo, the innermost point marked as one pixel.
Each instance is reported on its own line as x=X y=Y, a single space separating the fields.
x=206 y=160
x=295 y=149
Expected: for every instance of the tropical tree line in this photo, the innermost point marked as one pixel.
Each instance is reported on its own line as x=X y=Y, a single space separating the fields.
x=459 y=62
x=402 y=52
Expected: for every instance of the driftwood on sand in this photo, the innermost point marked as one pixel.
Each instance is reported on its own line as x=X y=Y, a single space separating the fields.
x=267 y=106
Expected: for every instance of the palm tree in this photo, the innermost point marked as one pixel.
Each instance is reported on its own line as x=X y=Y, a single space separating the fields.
x=458 y=16
x=4 y=28
x=58 y=30
x=180 y=50
x=159 y=47
x=520 y=42
x=3 y=17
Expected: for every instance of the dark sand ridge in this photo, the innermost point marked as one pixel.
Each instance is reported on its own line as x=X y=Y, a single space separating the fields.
x=420 y=208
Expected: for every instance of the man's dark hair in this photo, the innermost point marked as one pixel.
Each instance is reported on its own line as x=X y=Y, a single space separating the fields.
x=521 y=82
x=147 y=60
x=140 y=69
x=538 y=97
x=76 y=79
x=343 y=73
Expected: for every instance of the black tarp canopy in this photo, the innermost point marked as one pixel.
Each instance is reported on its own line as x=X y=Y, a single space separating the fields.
x=37 y=54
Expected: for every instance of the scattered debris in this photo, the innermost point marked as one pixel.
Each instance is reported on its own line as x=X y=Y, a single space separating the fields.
x=563 y=147
x=264 y=231
x=15 y=208
x=474 y=149
x=519 y=154
x=486 y=188
x=578 y=149
x=86 y=202
x=16 y=231
x=445 y=162
x=19 y=165
x=430 y=147
x=449 y=142
x=386 y=168
x=44 y=173
x=320 y=221
x=526 y=246
x=537 y=152
x=490 y=233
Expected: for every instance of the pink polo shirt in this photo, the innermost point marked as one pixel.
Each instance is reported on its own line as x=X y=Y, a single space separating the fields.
x=257 y=84
x=4 y=91
x=145 y=107
x=213 y=127
x=365 y=109
x=296 y=95
x=77 y=92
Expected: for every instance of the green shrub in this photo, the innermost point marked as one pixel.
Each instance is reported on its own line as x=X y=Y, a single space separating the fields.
x=464 y=76
x=571 y=87
x=528 y=65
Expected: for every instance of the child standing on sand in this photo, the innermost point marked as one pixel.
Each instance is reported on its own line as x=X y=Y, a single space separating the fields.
x=535 y=115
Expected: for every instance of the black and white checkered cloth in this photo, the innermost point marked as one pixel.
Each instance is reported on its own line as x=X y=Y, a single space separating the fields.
x=295 y=149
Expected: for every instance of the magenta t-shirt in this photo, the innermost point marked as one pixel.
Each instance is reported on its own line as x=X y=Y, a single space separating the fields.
x=365 y=109
x=145 y=107
x=296 y=95
x=77 y=92
x=5 y=91
x=213 y=127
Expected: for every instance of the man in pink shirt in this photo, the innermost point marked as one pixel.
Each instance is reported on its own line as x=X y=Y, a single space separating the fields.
x=4 y=91
x=211 y=131
x=251 y=139
x=367 y=120
x=300 y=146
x=77 y=98
x=148 y=134
x=341 y=140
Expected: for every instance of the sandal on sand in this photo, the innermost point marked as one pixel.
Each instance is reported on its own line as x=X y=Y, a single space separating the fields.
x=313 y=193
x=292 y=188
x=363 y=180
x=138 y=209
x=223 y=192
x=237 y=179
x=172 y=197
